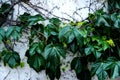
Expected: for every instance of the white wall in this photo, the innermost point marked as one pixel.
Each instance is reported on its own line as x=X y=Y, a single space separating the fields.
x=69 y=9
x=61 y=8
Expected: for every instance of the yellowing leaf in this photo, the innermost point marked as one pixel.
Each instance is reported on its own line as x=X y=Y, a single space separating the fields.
x=64 y=45
x=111 y=43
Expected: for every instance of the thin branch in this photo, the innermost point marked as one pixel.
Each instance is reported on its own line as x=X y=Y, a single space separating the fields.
x=90 y=6
x=84 y=8
x=7 y=75
x=24 y=7
x=36 y=8
x=55 y=7
x=39 y=33
x=7 y=46
x=3 y=19
x=11 y=7
x=77 y=14
x=71 y=17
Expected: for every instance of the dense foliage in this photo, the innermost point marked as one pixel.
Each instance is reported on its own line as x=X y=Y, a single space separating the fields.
x=95 y=40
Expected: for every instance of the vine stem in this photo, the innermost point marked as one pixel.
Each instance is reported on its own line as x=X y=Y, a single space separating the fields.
x=7 y=46
x=7 y=75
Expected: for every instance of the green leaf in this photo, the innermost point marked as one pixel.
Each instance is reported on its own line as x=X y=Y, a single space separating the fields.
x=53 y=67
x=79 y=24
x=0 y=56
x=68 y=34
x=113 y=16
x=95 y=38
x=88 y=51
x=22 y=64
x=9 y=31
x=32 y=49
x=12 y=62
x=117 y=4
x=54 y=70
x=6 y=58
x=105 y=45
x=14 y=32
x=37 y=30
x=54 y=50
x=78 y=36
x=37 y=62
x=17 y=28
x=73 y=46
x=11 y=58
x=53 y=39
x=34 y=19
x=16 y=57
x=55 y=21
x=50 y=30
x=36 y=47
x=115 y=71
x=118 y=51
x=84 y=75
x=95 y=67
x=102 y=75
x=97 y=54
x=76 y=65
x=1 y=39
x=4 y=7
x=101 y=20
x=63 y=31
x=117 y=23
x=15 y=35
x=2 y=34
x=116 y=19
x=99 y=69
x=83 y=32
x=40 y=47
x=114 y=66
x=24 y=17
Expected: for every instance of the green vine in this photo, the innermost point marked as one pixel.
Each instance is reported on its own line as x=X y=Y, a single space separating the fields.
x=95 y=40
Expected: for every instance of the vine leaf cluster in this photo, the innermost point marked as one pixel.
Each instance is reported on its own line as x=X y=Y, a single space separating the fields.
x=95 y=40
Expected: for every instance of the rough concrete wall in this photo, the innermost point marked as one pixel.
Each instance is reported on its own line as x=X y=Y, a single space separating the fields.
x=69 y=9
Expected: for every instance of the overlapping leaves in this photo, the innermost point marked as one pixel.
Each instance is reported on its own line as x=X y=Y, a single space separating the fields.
x=96 y=38
x=115 y=17
x=10 y=58
x=35 y=57
x=110 y=68
x=79 y=64
x=101 y=18
x=36 y=61
x=53 y=52
x=68 y=34
x=97 y=47
x=76 y=65
x=4 y=7
x=50 y=29
x=13 y=32
x=2 y=34
x=36 y=47
x=34 y=19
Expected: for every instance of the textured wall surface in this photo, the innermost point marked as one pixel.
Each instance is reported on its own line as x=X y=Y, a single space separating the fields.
x=69 y=9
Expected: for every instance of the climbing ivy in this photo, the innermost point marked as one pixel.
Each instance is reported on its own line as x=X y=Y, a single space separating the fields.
x=95 y=40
